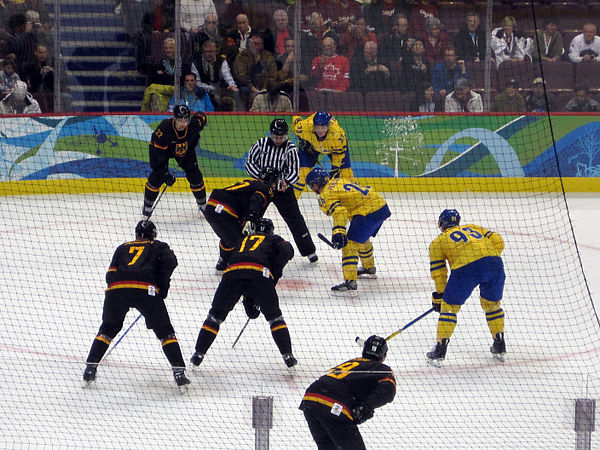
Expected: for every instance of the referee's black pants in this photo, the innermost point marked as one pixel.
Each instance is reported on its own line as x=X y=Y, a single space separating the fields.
x=287 y=205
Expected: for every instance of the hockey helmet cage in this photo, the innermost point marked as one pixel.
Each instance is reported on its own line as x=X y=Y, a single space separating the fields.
x=448 y=218
x=145 y=230
x=279 y=127
x=318 y=176
x=321 y=118
x=262 y=225
x=181 y=112
x=375 y=348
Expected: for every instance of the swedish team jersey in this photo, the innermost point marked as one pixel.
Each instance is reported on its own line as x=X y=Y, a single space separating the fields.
x=461 y=245
x=342 y=199
x=334 y=144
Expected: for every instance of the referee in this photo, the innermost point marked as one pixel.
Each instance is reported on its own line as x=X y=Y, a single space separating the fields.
x=276 y=151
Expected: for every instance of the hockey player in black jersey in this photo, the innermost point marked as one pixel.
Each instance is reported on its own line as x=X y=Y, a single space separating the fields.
x=177 y=138
x=228 y=209
x=139 y=277
x=254 y=269
x=347 y=396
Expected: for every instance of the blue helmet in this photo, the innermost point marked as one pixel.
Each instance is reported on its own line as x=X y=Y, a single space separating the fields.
x=448 y=218
x=317 y=176
x=322 y=118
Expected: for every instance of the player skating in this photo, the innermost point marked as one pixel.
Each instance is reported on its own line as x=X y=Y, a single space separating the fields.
x=473 y=254
x=139 y=277
x=228 y=209
x=319 y=134
x=366 y=210
x=347 y=396
x=254 y=269
x=176 y=137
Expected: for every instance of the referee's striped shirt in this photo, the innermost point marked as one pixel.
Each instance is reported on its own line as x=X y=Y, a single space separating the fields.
x=264 y=153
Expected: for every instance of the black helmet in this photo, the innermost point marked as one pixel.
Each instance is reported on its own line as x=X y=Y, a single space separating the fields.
x=145 y=230
x=181 y=112
x=270 y=175
x=279 y=127
x=375 y=348
x=262 y=225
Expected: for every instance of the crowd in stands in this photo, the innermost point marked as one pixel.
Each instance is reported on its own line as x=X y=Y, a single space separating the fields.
x=242 y=54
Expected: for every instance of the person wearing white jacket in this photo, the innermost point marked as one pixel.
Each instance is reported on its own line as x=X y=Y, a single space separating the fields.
x=509 y=44
x=585 y=46
x=462 y=98
x=19 y=101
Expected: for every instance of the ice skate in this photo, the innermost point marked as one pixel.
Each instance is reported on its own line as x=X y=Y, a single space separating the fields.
x=181 y=380
x=290 y=360
x=89 y=374
x=348 y=287
x=369 y=273
x=313 y=258
x=146 y=210
x=196 y=358
x=437 y=355
x=498 y=348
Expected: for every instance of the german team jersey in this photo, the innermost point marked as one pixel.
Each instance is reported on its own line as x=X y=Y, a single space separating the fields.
x=175 y=144
x=142 y=264
x=461 y=245
x=342 y=199
x=241 y=198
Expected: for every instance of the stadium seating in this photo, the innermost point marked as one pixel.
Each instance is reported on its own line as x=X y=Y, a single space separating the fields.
x=588 y=74
x=476 y=71
x=389 y=101
x=335 y=101
x=522 y=71
x=558 y=75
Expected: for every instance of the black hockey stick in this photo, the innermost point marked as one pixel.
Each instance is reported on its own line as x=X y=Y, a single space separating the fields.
x=161 y=193
x=327 y=241
x=361 y=342
x=240 y=335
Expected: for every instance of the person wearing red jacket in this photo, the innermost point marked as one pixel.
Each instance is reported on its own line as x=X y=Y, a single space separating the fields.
x=331 y=71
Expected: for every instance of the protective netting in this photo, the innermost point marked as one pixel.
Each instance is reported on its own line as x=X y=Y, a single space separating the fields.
x=453 y=128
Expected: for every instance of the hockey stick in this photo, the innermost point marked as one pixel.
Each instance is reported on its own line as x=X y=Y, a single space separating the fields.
x=161 y=193
x=240 y=335
x=121 y=338
x=361 y=342
x=327 y=241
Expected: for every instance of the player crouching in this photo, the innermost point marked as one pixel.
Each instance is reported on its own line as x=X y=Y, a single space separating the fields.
x=366 y=210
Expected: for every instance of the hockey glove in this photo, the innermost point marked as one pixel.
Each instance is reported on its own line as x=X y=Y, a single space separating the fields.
x=436 y=301
x=362 y=412
x=168 y=178
x=201 y=117
x=252 y=310
x=339 y=240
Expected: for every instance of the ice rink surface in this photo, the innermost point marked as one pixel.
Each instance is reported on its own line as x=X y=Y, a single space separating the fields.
x=57 y=249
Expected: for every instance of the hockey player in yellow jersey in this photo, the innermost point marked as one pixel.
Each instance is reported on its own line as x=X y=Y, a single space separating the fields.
x=473 y=254
x=319 y=134
x=366 y=210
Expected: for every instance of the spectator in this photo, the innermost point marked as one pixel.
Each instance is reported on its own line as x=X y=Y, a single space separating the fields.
x=35 y=26
x=550 y=40
x=510 y=100
x=271 y=99
x=344 y=12
x=161 y=18
x=21 y=42
x=508 y=44
x=236 y=41
x=428 y=101
x=8 y=76
x=380 y=13
x=192 y=96
x=285 y=64
x=538 y=100
x=367 y=73
x=416 y=72
x=19 y=101
x=355 y=38
x=309 y=7
x=193 y=13
x=282 y=31
x=582 y=101
x=261 y=26
x=395 y=46
x=39 y=74
x=215 y=78
x=254 y=68
x=470 y=40
x=312 y=40
x=208 y=32
x=585 y=47
x=436 y=42
x=331 y=71
x=447 y=72
x=463 y=99
x=420 y=11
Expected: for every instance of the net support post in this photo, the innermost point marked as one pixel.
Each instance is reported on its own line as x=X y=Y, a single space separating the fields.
x=585 y=418
x=262 y=420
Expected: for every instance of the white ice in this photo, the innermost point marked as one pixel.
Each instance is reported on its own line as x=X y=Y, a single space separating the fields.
x=57 y=249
